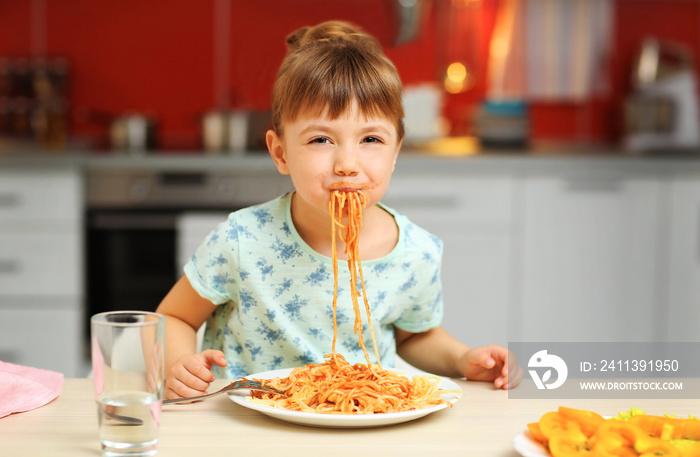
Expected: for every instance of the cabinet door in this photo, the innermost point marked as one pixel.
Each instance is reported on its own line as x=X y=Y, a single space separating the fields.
x=47 y=336
x=589 y=259
x=472 y=216
x=684 y=272
x=41 y=232
x=39 y=196
x=41 y=268
x=34 y=264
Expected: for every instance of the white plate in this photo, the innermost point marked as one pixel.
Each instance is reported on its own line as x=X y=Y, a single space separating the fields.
x=527 y=446
x=343 y=420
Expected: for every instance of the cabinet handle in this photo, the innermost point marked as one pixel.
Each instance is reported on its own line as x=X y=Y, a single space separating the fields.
x=9 y=266
x=9 y=200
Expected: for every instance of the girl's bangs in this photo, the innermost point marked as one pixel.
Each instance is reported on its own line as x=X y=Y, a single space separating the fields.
x=335 y=99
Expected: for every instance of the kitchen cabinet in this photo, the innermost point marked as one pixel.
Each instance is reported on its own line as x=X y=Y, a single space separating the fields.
x=589 y=257
x=41 y=271
x=683 y=293
x=473 y=217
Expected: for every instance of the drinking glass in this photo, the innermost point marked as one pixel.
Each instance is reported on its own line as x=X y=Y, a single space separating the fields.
x=128 y=360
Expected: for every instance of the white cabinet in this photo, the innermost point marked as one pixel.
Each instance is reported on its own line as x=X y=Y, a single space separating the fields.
x=590 y=247
x=472 y=216
x=43 y=333
x=41 y=269
x=684 y=266
x=585 y=252
x=34 y=262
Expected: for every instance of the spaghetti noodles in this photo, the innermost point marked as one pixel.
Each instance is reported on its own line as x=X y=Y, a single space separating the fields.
x=350 y=234
x=335 y=386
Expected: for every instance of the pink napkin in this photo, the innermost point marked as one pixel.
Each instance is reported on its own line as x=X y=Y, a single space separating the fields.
x=25 y=388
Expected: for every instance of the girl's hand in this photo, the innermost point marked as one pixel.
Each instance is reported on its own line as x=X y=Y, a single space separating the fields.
x=492 y=363
x=191 y=375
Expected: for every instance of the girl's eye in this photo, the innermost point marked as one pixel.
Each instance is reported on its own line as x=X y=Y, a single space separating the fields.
x=372 y=139
x=320 y=140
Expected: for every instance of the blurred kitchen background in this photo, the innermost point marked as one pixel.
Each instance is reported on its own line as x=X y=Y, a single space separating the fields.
x=552 y=144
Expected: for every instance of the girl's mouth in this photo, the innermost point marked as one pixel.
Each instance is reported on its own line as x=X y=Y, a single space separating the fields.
x=344 y=186
x=345 y=189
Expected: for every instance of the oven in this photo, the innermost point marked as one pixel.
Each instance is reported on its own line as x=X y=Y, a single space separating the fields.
x=142 y=225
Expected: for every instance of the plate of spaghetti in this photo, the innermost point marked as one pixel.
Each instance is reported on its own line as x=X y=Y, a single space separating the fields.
x=337 y=394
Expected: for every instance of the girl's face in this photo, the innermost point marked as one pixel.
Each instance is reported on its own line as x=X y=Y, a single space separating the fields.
x=352 y=152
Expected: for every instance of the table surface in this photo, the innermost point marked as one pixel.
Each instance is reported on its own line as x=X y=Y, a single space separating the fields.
x=484 y=422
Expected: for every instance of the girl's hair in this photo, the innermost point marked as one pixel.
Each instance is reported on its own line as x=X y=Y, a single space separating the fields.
x=329 y=66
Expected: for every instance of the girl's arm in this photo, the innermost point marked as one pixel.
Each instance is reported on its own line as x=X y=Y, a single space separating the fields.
x=187 y=373
x=434 y=351
x=437 y=352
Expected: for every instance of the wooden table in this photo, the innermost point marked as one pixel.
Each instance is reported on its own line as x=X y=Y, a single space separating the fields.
x=483 y=423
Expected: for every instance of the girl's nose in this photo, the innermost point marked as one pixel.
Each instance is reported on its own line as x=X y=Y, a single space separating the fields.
x=346 y=163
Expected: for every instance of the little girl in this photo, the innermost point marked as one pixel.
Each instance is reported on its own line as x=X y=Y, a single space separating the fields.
x=263 y=279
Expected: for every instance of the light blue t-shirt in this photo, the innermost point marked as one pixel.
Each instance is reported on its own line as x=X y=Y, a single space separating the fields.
x=275 y=293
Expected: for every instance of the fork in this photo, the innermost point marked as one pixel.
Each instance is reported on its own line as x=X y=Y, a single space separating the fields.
x=242 y=383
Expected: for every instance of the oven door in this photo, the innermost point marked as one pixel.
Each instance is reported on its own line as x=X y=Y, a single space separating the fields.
x=135 y=256
x=143 y=224
x=130 y=259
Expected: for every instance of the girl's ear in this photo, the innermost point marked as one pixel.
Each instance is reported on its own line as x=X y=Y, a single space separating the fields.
x=274 y=145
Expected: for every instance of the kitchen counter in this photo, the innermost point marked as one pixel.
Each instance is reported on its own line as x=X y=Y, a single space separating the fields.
x=550 y=159
x=484 y=422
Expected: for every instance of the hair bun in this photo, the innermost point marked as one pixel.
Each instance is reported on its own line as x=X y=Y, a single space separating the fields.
x=327 y=31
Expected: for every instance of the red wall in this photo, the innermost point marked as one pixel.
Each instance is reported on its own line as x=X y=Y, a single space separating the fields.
x=158 y=56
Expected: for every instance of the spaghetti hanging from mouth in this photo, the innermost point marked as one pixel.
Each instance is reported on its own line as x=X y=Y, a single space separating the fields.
x=350 y=234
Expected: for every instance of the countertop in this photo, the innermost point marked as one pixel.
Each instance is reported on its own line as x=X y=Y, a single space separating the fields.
x=448 y=156
x=483 y=423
